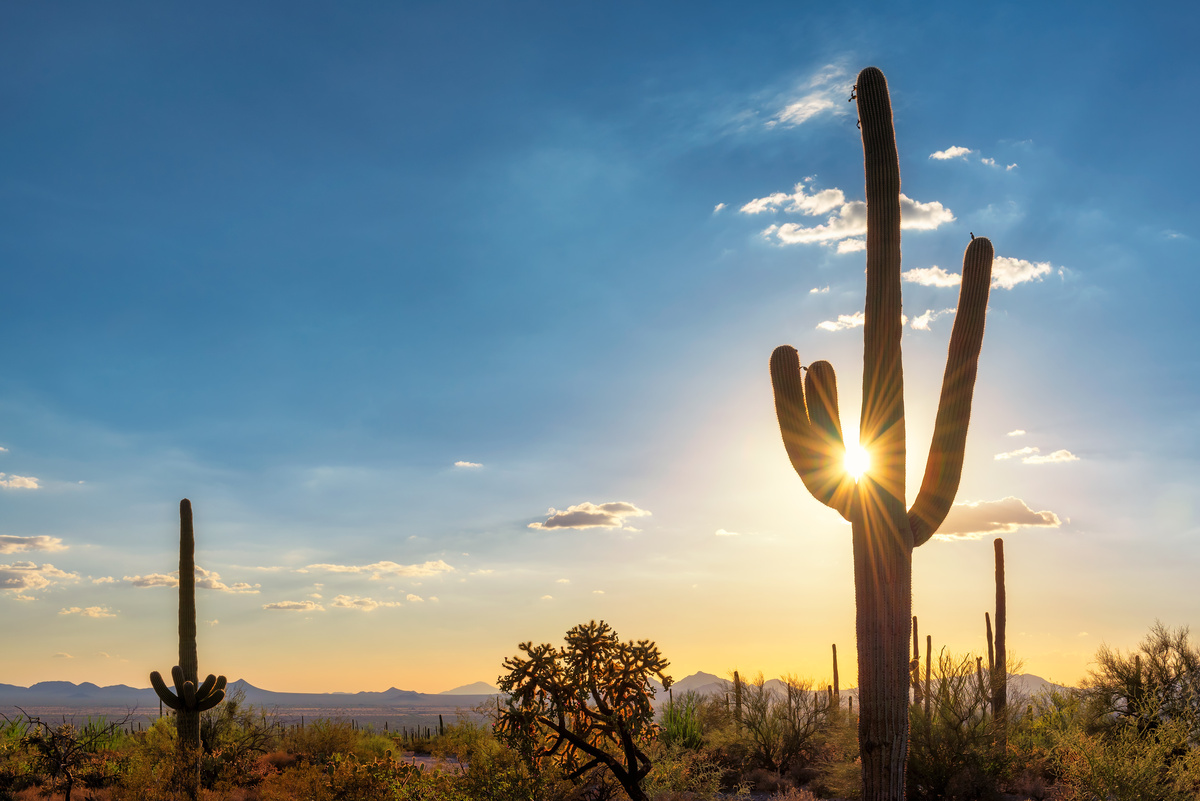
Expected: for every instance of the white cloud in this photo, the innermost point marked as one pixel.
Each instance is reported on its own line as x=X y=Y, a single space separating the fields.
x=849 y=220
x=1030 y=455
x=983 y=518
x=1012 y=166
x=21 y=576
x=361 y=604
x=546 y=598
x=413 y=598
x=1016 y=432
x=210 y=580
x=931 y=276
x=989 y=162
x=3 y=449
x=723 y=533
x=1052 y=458
x=597 y=592
x=153 y=580
x=824 y=93
x=468 y=464
x=295 y=606
x=1015 y=454
x=1007 y=272
x=818 y=290
x=562 y=581
x=104 y=580
x=18 y=482
x=921 y=322
x=843 y=322
x=590 y=515
x=89 y=611
x=851 y=245
x=12 y=544
x=954 y=152
x=717 y=208
x=380 y=569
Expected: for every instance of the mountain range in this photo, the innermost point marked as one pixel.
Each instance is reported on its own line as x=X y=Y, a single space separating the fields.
x=67 y=694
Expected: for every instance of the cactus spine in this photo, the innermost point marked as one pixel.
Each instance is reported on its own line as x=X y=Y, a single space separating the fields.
x=190 y=697
x=883 y=531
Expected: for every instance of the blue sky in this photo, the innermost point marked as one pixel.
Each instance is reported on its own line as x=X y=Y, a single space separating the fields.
x=378 y=289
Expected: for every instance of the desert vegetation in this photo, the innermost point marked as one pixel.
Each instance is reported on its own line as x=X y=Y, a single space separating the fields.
x=1131 y=732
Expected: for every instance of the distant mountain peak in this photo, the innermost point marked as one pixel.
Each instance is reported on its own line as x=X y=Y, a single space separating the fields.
x=478 y=688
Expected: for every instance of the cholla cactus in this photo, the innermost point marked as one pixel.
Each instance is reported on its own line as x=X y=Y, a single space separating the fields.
x=884 y=531
x=190 y=697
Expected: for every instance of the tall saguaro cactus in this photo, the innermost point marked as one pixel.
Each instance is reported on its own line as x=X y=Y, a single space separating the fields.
x=190 y=697
x=884 y=532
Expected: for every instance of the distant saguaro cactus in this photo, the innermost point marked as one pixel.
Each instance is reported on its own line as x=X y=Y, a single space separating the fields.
x=190 y=697
x=884 y=532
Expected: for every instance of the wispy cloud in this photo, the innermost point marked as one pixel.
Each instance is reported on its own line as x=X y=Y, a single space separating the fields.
x=974 y=520
x=153 y=580
x=104 y=580
x=205 y=580
x=88 y=611
x=589 y=515
x=953 y=152
x=818 y=290
x=848 y=221
x=843 y=322
x=18 y=482
x=922 y=321
x=12 y=544
x=380 y=569
x=468 y=465
x=824 y=93
x=717 y=208
x=361 y=604
x=723 y=533
x=931 y=276
x=1032 y=455
x=63 y=655
x=1057 y=457
x=1006 y=273
x=1018 y=453
x=20 y=577
x=295 y=606
x=1016 y=432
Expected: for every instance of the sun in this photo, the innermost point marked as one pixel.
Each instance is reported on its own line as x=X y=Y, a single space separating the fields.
x=858 y=460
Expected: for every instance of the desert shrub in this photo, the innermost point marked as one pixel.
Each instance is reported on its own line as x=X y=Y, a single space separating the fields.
x=1125 y=763
x=679 y=722
x=319 y=740
x=836 y=761
x=952 y=752
x=682 y=772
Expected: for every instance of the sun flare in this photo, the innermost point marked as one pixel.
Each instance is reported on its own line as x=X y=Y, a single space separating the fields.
x=858 y=460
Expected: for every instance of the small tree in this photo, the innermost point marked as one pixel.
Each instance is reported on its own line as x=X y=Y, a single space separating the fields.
x=584 y=706
x=1157 y=683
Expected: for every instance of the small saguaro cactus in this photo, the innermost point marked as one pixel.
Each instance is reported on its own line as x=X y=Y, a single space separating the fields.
x=884 y=532
x=190 y=697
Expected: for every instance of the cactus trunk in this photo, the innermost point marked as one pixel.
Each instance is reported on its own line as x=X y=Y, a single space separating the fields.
x=884 y=532
x=187 y=720
x=190 y=697
x=1000 y=673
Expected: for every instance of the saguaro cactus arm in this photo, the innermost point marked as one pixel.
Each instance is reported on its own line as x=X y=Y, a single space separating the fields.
x=812 y=431
x=944 y=466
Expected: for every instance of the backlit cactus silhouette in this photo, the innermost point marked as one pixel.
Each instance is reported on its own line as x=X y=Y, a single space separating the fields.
x=190 y=697
x=884 y=531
